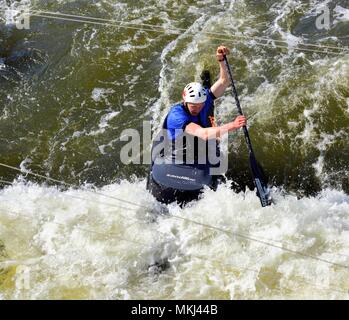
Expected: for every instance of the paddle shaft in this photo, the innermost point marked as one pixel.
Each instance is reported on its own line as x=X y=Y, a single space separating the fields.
x=235 y=94
x=257 y=172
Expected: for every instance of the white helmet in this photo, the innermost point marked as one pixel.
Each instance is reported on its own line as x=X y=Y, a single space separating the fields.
x=194 y=92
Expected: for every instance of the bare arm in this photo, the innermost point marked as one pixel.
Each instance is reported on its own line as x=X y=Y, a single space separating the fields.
x=219 y=87
x=215 y=132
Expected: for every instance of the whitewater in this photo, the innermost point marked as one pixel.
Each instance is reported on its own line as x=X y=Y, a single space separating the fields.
x=69 y=89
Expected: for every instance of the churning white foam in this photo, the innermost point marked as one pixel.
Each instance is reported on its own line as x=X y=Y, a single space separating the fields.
x=79 y=244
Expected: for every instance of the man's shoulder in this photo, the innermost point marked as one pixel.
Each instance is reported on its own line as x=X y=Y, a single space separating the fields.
x=210 y=94
x=177 y=116
x=177 y=110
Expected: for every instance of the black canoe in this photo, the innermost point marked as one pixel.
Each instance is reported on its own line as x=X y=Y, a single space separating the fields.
x=170 y=182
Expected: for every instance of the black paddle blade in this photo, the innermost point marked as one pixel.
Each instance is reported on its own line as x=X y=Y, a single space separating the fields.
x=206 y=79
x=260 y=182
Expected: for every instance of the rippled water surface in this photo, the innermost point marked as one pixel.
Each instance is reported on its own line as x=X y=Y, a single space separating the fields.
x=69 y=86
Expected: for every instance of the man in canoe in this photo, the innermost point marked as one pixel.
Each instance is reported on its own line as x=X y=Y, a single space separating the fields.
x=192 y=118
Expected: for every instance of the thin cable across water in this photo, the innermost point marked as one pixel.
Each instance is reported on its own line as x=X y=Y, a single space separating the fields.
x=222 y=230
x=262 y=41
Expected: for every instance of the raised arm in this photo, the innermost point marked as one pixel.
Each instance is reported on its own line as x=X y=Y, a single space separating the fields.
x=219 y=87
